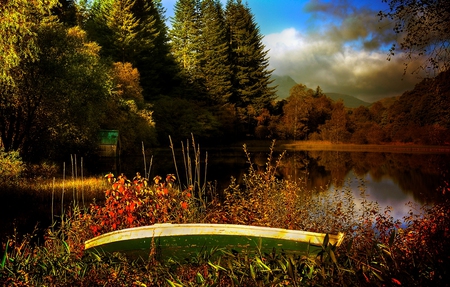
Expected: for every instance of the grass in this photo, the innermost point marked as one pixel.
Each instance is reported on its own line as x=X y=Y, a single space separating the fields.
x=391 y=147
x=377 y=250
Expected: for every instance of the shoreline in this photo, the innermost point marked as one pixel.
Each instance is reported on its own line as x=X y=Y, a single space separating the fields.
x=394 y=147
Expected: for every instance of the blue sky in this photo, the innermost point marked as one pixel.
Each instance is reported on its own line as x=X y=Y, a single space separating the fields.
x=341 y=46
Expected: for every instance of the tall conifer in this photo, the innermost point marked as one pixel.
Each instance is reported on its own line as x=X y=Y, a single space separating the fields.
x=214 y=53
x=248 y=59
x=184 y=36
x=156 y=65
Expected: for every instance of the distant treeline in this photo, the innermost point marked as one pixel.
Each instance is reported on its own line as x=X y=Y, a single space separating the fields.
x=71 y=68
x=419 y=116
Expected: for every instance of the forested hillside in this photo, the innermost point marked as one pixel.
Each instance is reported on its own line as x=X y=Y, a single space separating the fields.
x=71 y=68
x=419 y=116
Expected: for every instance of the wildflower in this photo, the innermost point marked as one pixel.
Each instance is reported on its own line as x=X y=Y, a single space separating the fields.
x=184 y=205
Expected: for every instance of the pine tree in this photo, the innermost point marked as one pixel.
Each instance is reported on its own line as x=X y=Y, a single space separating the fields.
x=135 y=31
x=249 y=62
x=184 y=37
x=214 y=53
x=156 y=65
x=124 y=30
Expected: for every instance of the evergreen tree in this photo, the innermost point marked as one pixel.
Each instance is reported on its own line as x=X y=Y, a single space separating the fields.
x=249 y=62
x=214 y=53
x=132 y=28
x=156 y=65
x=135 y=31
x=185 y=37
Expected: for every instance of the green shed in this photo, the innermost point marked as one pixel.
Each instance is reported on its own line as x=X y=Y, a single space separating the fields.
x=109 y=143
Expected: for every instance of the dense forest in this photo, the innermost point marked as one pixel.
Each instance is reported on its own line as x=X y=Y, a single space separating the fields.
x=419 y=116
x=71 y=68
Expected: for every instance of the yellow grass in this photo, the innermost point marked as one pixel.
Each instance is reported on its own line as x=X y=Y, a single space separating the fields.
x=391 y=147
x=90 y=186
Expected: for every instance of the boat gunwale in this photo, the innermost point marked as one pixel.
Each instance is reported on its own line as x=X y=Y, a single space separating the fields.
x=192 y=229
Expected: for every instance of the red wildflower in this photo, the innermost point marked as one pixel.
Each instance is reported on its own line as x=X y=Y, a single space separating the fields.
x=184 y=205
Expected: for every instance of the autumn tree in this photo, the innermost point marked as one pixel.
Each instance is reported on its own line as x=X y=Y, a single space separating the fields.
x=304 y=111
x=294 y=123
x=427 y=105
x=424 y=30
x=127 y=111
x=20 y=20
x=377 y=112
x=335 y=129
x=126 y=82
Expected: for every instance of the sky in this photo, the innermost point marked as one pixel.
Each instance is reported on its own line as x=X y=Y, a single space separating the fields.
x=341 y=46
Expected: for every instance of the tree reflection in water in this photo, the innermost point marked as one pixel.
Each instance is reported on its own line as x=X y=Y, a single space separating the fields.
x=391 y=179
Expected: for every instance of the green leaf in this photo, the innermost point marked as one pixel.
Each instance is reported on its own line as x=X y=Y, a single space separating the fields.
x=4 y=255
x=260 y=263
x=216 y=267
x=66 y=246
x=333 y=257
x=325 y=241
x=173 y=284
x=252 y=272
x=290 y=268
x=199 y=278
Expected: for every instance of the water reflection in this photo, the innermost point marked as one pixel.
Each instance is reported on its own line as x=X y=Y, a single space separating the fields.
x=389 y=178
x=419 y=175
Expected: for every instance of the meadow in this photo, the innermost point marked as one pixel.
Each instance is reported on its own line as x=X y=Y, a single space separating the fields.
x=377 y=251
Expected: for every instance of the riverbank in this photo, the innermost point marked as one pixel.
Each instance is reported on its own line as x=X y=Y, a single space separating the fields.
x=392 y=147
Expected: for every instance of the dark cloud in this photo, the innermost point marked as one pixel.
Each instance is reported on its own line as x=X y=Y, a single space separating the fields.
x=343 y=22
x=345 y=51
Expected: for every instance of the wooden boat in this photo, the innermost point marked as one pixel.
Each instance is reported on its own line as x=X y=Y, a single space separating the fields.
x=183 y=241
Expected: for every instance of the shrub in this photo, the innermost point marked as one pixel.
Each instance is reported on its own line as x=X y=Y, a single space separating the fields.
x=11 y=165
x=131 y=204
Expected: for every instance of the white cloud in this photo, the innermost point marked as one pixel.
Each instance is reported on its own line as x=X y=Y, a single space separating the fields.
x=336 y=65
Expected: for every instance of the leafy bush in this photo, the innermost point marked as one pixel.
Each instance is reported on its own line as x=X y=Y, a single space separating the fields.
x=131 y=204
x=11 y=165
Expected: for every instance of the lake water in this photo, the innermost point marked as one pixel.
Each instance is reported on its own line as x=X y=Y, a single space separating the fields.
x=389 y=178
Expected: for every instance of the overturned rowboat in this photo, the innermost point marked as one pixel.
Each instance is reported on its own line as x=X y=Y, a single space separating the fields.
x=183 y=241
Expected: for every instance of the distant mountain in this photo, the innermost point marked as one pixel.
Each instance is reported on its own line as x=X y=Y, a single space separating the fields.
x=284 y=83
x=387 y=102
x=349 y=101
